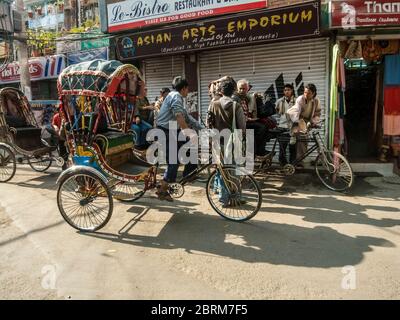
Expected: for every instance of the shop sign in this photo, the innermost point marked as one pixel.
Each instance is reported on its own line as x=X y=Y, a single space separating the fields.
x=130 y=14
x=352 y=14
x=40 y=68
x=94 y=43
x=70 y=44
x=88 y=55
x=270 y=25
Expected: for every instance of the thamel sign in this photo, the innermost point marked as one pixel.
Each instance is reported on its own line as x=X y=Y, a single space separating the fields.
x=352 y=14
x=131 y=14
x=271 y=25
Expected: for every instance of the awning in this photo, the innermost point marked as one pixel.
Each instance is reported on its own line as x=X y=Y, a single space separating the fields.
x=40 y=68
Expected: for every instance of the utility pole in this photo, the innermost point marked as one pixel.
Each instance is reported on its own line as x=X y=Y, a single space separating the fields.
x=71 y=11
x=67 y=15
x=22 y=46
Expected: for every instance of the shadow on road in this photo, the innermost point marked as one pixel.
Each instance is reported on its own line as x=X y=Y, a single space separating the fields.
x=329 y=210
x=46 y=180
x=253 y=242
x=25 y=235
x=308 y=183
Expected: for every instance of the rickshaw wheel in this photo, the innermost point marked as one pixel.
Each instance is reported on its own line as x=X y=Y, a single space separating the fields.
x=334 y=171
x=84 y=201
x=8 y=164
x=128 y=192
x=40 y=164
x=243 y=197
x=176 y=190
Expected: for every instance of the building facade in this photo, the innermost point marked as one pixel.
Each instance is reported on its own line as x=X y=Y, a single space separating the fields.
x=263 y=42
x=365 y=109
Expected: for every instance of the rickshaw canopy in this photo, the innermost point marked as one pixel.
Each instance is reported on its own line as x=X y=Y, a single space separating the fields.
x=100 y=78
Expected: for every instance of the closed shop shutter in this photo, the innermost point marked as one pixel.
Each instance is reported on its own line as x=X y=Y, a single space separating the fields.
x=159 y=72
x=269 y=67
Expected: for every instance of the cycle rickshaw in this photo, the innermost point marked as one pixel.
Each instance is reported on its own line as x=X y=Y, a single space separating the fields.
x=332 y=168
x=98 y=108
x=20 y=135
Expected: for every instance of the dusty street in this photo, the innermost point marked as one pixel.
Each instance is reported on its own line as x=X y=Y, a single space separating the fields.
x=306 y=243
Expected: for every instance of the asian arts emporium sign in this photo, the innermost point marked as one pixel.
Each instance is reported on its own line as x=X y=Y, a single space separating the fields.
x=131 y=14
x=301 y=21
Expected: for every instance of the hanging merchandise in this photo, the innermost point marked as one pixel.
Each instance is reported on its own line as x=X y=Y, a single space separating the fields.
x=392 y=67
x=354 y=50
x=389 y=46
x=391 y=119
x=337 y=102
x=391 y=125
x=333 y=97
x=342 y=74
x=372 y=52
x=392 y=100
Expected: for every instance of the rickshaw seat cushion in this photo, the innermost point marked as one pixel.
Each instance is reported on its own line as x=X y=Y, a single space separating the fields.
x=112 y=142
x=15 y=122
x=29 y=138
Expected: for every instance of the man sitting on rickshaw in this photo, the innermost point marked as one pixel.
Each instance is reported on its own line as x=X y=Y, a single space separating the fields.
x=142 y=121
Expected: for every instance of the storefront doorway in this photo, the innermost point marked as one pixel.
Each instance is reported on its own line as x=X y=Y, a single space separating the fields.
x=362 y=123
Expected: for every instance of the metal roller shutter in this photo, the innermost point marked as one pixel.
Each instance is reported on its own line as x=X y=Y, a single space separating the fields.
x=159 y=72
x=269 y=67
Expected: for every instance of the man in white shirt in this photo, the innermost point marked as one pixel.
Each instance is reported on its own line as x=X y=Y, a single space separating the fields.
x=303 y=115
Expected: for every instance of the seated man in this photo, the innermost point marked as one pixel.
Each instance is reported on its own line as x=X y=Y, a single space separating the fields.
x=141 y=126
x=305 y=113
x=252 y=122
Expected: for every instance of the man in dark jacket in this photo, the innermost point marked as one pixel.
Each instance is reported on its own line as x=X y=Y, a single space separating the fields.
x=222 y=112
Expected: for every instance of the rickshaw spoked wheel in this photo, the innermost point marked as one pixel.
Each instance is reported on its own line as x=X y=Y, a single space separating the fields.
x=234 y=194
x=41 y=163
x=128 y=192
x=84 y=201
x=8 y=164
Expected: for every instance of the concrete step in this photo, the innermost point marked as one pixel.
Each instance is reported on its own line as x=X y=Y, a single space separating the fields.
x=384 y=169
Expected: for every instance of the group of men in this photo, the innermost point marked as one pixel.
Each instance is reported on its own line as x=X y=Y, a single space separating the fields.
x=294 y=116
x=230 y=103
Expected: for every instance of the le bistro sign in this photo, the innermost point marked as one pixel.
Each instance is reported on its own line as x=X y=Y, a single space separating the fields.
x=131 y=14
x=270 y=25
x=39 y=68
x=352 y=14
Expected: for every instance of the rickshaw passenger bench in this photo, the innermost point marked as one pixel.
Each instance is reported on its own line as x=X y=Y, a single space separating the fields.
x=27 y=137
x=116 y=146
